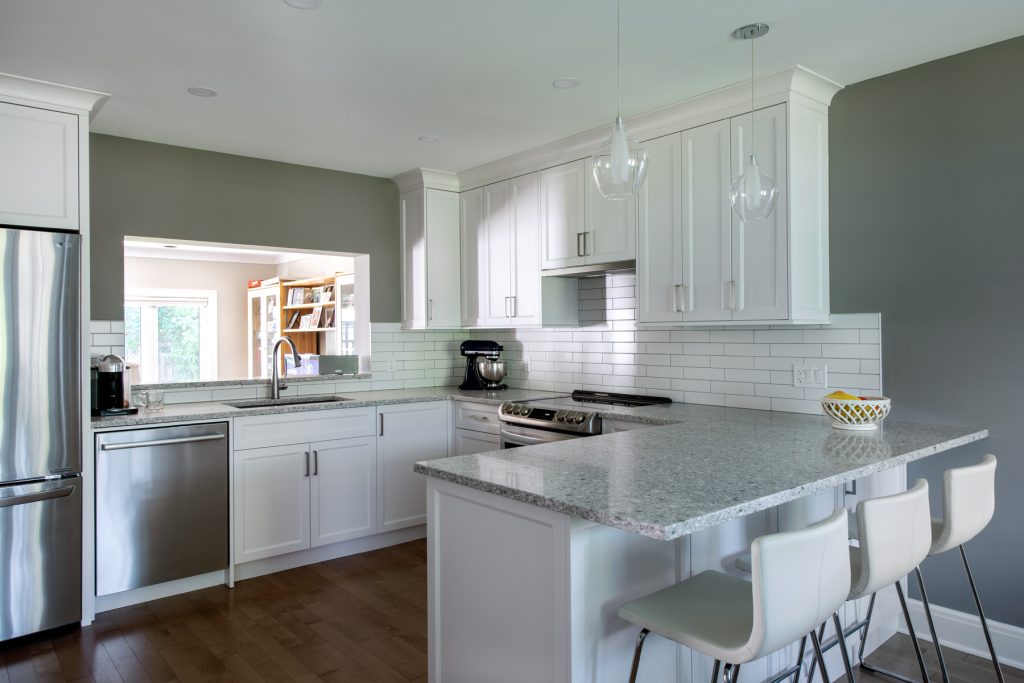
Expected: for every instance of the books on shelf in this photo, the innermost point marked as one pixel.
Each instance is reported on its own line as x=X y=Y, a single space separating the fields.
x=293 y=321
x=304 y=321
x=328 y=317
x=315 y=318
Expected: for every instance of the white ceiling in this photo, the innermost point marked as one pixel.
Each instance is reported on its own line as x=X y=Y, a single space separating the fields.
x=145 y=247
x=352 y=85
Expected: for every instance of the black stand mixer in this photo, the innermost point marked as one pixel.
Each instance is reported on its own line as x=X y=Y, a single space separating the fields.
x=483 y=369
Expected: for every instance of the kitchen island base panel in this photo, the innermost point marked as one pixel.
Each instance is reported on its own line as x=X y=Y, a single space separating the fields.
x=518 y=592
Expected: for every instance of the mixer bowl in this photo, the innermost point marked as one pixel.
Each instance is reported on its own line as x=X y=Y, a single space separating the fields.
x=491 y=370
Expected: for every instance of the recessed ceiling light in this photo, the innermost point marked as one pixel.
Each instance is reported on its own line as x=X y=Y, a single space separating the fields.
x=203 y=92
x=303 y=4
x=566 y=83
x=429 y=138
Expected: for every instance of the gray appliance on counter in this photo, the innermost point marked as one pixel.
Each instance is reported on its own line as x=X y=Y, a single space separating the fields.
x=40 y=431
x=161 y=505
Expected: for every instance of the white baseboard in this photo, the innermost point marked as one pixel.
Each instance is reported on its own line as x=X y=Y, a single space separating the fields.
x=962 y=631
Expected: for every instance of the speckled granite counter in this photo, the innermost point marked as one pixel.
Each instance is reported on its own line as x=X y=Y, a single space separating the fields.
x=192 y=412
x=713 y=465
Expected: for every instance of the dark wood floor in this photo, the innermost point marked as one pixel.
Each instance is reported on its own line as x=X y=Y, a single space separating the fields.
x=897 y=654
x=361 y=619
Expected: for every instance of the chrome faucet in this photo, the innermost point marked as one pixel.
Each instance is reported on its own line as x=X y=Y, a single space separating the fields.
x=276 y=382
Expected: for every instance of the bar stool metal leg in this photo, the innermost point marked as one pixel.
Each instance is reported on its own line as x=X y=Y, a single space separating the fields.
x=814 y=662
x=841 y=637
x=981 y=613
x=913 y=634
x=714 y=672
x=819 y=657
x=864 y=664
x=931 y=625
x=735 y=674
x=637 y=650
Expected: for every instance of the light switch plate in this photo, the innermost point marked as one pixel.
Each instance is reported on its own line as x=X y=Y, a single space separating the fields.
x=810 y=376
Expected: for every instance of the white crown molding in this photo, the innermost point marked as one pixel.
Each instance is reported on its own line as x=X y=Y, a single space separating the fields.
x=30 y=91
x=427 y=178
x=797 y=84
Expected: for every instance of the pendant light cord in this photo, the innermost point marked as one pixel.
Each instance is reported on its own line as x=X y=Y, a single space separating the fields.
x=618 y=58
x=752 y=39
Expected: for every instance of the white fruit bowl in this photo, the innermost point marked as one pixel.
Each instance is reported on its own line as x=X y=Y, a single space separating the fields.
x=861 y=414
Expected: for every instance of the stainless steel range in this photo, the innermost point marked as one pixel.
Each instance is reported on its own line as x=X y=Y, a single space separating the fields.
x=544 y=421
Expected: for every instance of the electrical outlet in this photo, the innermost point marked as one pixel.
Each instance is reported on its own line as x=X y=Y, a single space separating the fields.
x=526 y=363
x=391 y=364
x=810 y=376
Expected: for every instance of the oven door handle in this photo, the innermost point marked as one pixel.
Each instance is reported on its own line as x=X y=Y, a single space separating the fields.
x=527 y=440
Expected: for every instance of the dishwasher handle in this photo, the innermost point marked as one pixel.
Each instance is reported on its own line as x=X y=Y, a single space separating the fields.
x=162 y=442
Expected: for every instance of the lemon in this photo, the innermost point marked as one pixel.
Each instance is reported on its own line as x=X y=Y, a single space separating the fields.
x=843 y=396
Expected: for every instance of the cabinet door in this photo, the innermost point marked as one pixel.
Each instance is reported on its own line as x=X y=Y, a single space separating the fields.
x=271 y=501
x=706 y=222
x=562 y=211
x=343 y=489
x=414 y=259
x=660 y=235
x=38 y=167
x=443 y=259
x=467 y=442
x=409 y=432
x=496 y=296
x=526 y=232
x=474 y=263
x=760 y=265
x=610 y=225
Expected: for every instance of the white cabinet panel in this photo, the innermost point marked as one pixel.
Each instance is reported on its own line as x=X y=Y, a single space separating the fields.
x=760 y=248
x=271 y=501
x=414 y=258
x=478 y=417
x=659 y=240
x=706 y=221
x=526 y=247
x=343 y=489
x=562 y=211
x=316 y=425
x=474 y=255
x=496 y=303
x=38 y=167
x=467 y=442
x=443 y=257
x=610 y=225
x=409 y=432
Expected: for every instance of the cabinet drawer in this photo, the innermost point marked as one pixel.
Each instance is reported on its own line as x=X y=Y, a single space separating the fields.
x=259 y=431
x=478 y=417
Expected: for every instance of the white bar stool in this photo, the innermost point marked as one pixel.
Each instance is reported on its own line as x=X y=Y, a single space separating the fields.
x=801 y=578
x=895 y=535
x=968 y=503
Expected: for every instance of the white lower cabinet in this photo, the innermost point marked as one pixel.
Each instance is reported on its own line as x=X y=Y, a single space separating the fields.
x=271 y=502
x=343 y=490
x=408 y=433
x=468 y=441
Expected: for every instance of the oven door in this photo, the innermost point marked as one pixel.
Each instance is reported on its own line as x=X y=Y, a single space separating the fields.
x=514 y=436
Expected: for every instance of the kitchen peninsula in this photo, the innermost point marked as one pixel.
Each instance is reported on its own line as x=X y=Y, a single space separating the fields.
x=533 y=549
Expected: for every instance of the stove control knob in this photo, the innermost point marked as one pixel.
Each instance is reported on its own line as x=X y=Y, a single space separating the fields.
x=524 y=410
x=560 y=416
x=506 y=409
x=579 y=418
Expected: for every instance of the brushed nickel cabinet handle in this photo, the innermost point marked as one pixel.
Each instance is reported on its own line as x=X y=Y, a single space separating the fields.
x=579 y=249
x=683 y=296
x=732 y=295
x=515 y=306
x=430 y=309
x=585 y=243
x=307 y=463
x=316 y=463
x=381 y=421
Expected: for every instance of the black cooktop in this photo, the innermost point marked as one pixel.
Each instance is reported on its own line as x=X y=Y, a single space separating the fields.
x=618 y=399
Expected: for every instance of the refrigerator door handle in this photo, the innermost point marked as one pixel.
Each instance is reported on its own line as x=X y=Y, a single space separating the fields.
x=11 y=501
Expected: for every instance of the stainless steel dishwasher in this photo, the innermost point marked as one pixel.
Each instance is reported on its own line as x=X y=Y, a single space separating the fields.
x=161 y=505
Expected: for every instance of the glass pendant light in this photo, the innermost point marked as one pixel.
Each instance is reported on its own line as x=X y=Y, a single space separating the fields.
x=754 y=194
x=619 y=165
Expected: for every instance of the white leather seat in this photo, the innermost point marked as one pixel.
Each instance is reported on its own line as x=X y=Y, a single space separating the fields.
x=801 y=578
x=743 y=563
x=968 y=503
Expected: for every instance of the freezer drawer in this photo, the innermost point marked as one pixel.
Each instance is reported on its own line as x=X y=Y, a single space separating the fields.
x=40 y=556
x=161 y=505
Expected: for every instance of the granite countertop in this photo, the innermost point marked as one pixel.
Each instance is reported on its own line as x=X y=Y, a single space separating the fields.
x=191 y=412
x=712 y=465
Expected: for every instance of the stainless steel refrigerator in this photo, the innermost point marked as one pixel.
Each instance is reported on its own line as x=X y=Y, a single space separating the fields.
x=40 y=431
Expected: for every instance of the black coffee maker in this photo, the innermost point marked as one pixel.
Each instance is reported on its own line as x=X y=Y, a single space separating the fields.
x=483 y=369
x=107 y=380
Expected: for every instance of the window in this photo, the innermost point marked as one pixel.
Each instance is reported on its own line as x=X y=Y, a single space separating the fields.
x=171 y=334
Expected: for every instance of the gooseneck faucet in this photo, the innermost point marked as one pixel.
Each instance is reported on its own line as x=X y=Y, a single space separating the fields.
x=277 y=382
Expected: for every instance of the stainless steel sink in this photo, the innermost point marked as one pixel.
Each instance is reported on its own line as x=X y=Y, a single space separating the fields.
x=287 y=401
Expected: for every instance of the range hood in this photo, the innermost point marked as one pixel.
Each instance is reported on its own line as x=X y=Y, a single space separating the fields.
x=593 y=270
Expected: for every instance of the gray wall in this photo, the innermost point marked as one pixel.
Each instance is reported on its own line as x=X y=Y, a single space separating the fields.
x=151 y=190
x=927 y=186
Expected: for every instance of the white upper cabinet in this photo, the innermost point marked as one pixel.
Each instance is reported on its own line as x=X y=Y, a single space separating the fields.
x=501 y=257
x=430 y=259
x=610 y=226
x=760 y=248
x=562 y=195
x=38 y=167
x=697 y=262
